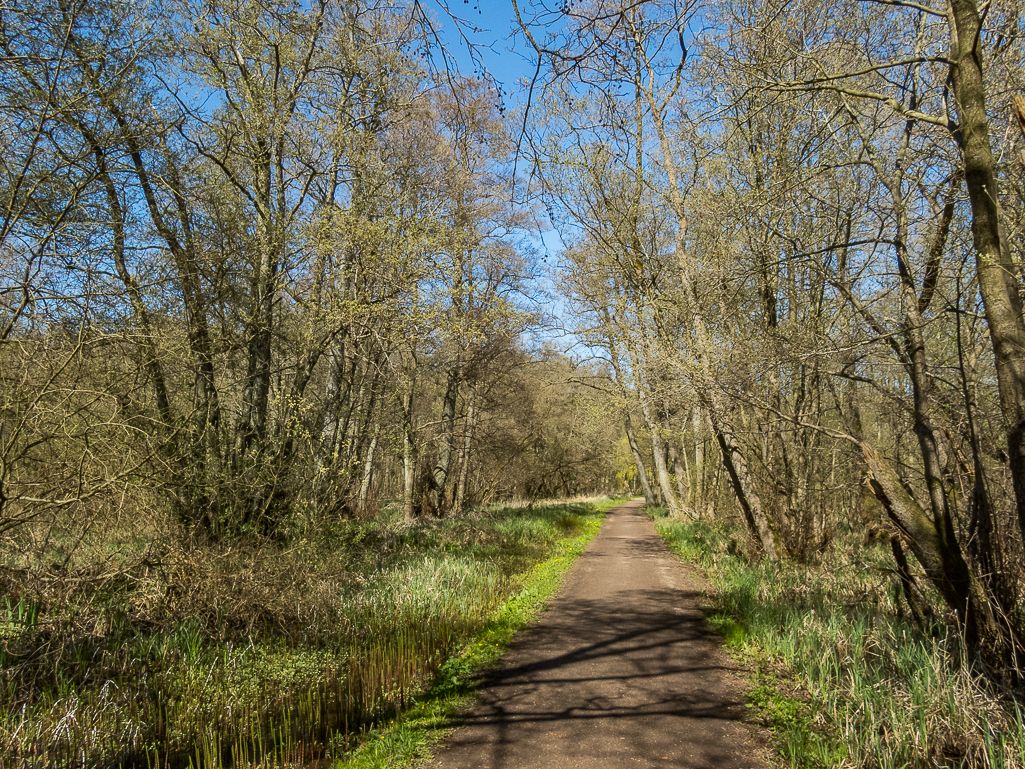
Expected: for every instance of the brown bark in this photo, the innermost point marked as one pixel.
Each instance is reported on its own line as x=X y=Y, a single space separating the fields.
x=907 y=582
x=368 y=470
x=1018 y=106
x=408 y=456
x=657 y=447
x=750 y=502
x=464 y=466
x=698 y=481
x=682 y=481
x=658 y=452
x=446 y=443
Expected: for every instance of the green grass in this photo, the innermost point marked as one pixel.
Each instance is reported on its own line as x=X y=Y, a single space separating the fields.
x=413 y=732
x=279 y=656
x=843 y=679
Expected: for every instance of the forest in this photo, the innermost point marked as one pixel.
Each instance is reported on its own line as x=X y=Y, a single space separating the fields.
x=290 y=377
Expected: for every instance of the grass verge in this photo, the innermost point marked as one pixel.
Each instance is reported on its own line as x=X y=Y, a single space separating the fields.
x=841 y=677
x=412 y=734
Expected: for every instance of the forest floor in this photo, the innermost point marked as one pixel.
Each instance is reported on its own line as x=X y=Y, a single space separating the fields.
x=621 y=670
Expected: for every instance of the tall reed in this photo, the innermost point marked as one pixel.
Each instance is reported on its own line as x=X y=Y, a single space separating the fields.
x=114 y=691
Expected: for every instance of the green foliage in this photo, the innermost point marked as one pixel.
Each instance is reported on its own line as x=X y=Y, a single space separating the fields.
x=801 y=743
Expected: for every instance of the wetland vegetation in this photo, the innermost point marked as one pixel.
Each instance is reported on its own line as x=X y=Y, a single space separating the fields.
x=271 y=655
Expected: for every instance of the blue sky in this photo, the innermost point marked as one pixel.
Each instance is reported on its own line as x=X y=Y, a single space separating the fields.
x=510 y=61
x=506 y=56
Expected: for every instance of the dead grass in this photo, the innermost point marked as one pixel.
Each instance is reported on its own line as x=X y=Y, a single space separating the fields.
x=134 y=644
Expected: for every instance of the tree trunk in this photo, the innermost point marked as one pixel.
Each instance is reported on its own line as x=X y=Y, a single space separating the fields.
x=368 y=471
x=936 y=551
x=408 y=457
x=407 y=380
x=335 y=399
x=680 y=472
x=658 y=450
x=252 y=430
x=743 y=487
x=446 y=443
x=642 y=475
x=464 y=466
x=698 y=493
x=994 y=265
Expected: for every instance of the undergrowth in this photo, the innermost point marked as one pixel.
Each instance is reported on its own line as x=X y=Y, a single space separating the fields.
x=843 y=678
x=264 y=654
x=412 y=733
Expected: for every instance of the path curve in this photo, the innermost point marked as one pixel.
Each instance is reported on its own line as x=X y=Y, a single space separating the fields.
x=620 y=671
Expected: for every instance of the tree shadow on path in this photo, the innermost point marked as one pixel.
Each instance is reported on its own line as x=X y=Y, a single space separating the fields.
x=621 y=671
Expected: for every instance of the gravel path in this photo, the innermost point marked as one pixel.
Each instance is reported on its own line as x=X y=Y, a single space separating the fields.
x=620 y=671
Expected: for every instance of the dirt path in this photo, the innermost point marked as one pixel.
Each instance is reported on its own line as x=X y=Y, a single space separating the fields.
x=621 y=671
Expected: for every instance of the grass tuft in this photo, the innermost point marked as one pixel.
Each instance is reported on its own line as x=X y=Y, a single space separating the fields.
x=844 y=680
